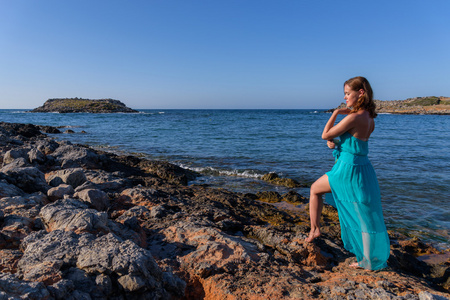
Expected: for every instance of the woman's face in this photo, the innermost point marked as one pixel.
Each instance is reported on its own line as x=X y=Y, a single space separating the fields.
x=351 y=96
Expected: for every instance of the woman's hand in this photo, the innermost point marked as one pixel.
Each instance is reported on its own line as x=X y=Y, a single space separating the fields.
x=342 y=111
x=331 y=144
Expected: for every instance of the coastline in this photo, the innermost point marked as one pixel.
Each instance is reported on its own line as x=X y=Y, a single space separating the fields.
x=412 y=106
x=196 y=242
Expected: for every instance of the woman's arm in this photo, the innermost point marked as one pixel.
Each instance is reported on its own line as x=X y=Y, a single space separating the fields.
x=332 y=131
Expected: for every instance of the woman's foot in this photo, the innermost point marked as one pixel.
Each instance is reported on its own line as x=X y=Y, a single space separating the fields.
x=355 y=265
x=314 y=233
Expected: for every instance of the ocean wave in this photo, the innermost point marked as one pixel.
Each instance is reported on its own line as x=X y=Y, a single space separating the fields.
x=222 y=172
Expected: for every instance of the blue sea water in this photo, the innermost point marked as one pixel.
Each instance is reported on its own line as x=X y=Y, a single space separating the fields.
x=234 y=148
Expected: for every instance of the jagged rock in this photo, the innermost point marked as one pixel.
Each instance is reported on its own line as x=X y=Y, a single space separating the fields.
x=24 y=130
x=140 y=196
x=168 y=171
x=293 y=197
x=70 y=156
x=13 y=154
x=60 y=191
x=9 y=260
x=96 y=198
x=45 y=254
x=47 y=146
x=212 y=249
x=25 y=206
x=72 y=176
x=136 y=269
x=16 y=163
x=275 y=179
x=73 y=215
x=14 y=229
x=9 y=190
x=36 y=156
x=49 y=129
x=29 y=179
x=269 y=196
x=12 y=287
x=107 y=181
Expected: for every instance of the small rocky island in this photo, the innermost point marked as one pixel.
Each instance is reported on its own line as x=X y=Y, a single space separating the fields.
x=413 y=106
x=79 y=105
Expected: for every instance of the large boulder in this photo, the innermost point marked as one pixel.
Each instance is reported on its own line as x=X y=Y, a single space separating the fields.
x=71 y=176
x=29 y=179
x=13 y=154
x=9 y=190
x=72 y=156
x=59 y=192
x=24 y=130
x=94 y=197
x=73 y=215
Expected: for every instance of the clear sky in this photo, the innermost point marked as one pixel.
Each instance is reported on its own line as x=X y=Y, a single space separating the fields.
x=221 y=53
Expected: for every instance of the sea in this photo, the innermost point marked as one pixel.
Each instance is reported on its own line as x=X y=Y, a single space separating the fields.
x=233 y=149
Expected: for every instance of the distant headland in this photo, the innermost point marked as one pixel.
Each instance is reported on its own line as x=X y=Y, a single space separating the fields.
x=413 y=106
x=79 y=105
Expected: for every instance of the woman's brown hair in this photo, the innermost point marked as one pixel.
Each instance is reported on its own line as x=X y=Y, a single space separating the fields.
x=366 y=100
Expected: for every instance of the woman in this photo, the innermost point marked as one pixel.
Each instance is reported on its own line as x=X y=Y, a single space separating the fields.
x=352 y=181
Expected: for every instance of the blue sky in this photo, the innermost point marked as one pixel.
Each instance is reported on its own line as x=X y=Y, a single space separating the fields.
x=221 y=54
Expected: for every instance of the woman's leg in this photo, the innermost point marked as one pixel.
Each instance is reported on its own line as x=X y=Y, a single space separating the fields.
x=318 y=188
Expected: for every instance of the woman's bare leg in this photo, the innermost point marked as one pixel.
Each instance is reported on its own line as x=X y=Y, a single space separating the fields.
x=318 y=188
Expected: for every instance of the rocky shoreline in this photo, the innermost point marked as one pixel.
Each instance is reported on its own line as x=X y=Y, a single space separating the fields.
x=78 y=105
x=413 y=106
x=77 y=223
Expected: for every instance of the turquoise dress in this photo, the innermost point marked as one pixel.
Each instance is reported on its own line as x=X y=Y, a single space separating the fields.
x=356 y=195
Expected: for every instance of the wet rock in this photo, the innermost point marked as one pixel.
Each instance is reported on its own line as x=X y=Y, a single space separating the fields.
x=275 y=179
x=49 y=129
x=269 y=196
x=72 y=176
x=168 y=171
x=293 y=197
x=24 y=130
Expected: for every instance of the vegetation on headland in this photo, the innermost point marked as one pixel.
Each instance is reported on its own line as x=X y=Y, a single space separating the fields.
x=431 y=105
x=74 y=105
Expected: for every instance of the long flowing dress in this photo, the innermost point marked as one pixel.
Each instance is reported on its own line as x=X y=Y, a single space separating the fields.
x=356 y=195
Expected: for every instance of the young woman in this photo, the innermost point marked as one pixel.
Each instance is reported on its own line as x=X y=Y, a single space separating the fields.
x=352 y=181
